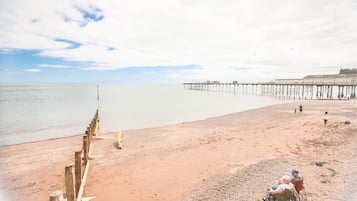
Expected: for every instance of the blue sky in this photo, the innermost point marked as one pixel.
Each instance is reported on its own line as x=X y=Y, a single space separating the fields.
x=174 y=41
x=25 y=66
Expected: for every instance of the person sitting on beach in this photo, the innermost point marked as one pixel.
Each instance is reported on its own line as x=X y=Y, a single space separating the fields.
x=277 y=191
x=300 y=107
x=284 y=184
x=295 y=176
x=297 y=180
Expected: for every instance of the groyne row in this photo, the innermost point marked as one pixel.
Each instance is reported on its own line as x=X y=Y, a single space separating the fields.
x=77 y=171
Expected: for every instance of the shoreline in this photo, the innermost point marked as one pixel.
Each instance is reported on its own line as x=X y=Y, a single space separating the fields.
x=30 y=120
x=43 y=140
x=140 y=128
x=192 y=154
x=179 y=122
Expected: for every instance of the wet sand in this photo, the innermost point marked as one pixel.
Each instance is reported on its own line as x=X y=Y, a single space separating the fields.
x=232 y=157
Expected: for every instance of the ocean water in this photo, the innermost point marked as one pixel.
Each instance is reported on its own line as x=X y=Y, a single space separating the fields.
x=30 y=112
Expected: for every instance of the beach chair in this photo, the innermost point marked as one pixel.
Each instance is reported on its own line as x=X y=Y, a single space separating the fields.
x=286 y=195
x=300 y=190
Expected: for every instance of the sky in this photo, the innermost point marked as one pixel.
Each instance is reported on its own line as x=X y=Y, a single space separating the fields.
x=173 y=41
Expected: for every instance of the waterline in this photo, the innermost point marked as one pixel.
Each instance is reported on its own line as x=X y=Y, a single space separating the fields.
x=42 y=111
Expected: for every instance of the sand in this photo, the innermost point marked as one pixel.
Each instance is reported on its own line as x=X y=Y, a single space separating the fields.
x=232 y=157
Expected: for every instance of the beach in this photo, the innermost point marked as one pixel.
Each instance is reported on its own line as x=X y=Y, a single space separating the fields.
x=231 y=157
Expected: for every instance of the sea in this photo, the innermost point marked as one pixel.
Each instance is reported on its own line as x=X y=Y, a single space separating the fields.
x=32 y=112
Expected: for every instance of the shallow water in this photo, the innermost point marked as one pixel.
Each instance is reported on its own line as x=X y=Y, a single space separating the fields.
x=32 y=112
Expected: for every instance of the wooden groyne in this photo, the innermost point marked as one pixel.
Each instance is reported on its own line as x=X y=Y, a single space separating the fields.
x=286 y=90
x=76 y=172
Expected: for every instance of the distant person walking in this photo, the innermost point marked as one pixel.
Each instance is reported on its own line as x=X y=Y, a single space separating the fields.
x=325 y=117
x=300 y=107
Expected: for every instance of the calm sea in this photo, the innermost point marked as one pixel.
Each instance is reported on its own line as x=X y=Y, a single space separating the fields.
x=30 y=112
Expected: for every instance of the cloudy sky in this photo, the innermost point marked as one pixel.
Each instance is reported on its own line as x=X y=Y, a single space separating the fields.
x=174 y=40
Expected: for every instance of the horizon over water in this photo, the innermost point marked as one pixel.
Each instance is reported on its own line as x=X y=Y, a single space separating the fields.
x=31 y=112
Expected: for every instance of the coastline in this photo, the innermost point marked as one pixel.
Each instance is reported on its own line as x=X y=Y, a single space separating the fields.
x=29 y=119
x=190 y=155
x=137 y=127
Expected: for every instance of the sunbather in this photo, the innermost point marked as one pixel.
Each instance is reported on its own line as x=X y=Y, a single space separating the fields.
x=277 y=191
x=285 y=184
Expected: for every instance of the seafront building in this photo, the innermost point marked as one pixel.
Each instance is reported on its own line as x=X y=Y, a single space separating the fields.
x=332 y=79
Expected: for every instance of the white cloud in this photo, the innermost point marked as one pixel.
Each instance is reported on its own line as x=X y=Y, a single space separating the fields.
x=52 y=66
x=274 y=38
x=33 y=70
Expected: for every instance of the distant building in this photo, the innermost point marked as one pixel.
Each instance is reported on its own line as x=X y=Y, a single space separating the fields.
x=348 y=71
x=322 y=79
x=331 y=79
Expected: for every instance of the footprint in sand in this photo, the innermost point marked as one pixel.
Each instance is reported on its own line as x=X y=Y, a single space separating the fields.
x=333 y=172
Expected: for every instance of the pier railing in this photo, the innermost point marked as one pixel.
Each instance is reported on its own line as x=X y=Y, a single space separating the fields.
x=76 y=172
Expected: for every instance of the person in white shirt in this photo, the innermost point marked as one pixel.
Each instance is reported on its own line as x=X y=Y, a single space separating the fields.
x=285 y=184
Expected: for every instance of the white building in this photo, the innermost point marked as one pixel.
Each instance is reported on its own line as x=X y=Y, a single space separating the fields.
x=333 y=79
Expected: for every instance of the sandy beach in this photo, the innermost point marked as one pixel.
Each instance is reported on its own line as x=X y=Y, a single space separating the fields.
x=232 y=157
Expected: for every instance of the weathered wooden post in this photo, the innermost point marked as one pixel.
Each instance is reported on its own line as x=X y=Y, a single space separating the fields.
x=56 y=196
x=96 y=133
x=92 y=127
x=91 y=130
x=85 y=149
x=97 y=123
x=78 y=170
x=69 y=182
x=88 y=133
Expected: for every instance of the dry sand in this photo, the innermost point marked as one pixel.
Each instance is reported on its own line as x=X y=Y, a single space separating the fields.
x=233 y=157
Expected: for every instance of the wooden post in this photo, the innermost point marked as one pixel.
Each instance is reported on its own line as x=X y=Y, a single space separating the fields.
x=85 y=149
x=88 y=132
x=97 y=124
x=78 y=170
x=90 y=136
x=56 y=196
x=93 y=127
x=69 y=182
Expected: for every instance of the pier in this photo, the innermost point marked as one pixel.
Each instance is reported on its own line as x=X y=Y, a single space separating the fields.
x=285 y=89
